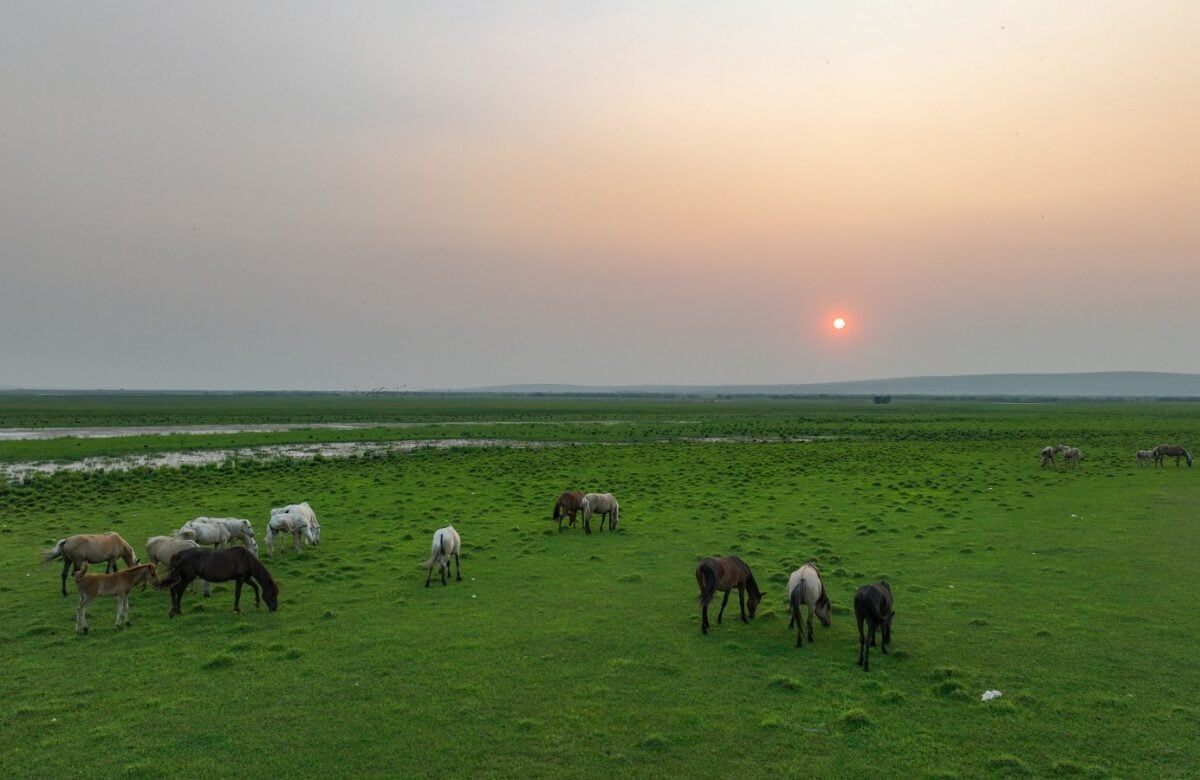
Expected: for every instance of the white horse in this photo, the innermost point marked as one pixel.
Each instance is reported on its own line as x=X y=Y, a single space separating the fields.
x=603 y=504
x=446 y=543
x=1048 y=455
x=1144 y=457
x=307 y=511
x=295 y=523
x=159 y=550
x=806 y=588
x=219 y=531
x=1071 y=455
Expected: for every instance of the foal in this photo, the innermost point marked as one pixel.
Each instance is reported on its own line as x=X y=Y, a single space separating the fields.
x=567 y=506
x=873 y=603
x=92 y=586
x=725 y=574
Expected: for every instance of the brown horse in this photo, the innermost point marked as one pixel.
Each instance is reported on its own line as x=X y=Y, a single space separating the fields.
x=90 y=548
x=92 y=586
x=725 y=574
x=873 y=604
x=1164 y=451
x=567 y=505
x=231 y=563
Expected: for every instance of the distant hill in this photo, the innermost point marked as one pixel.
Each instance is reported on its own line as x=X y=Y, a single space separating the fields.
x=1102 y=384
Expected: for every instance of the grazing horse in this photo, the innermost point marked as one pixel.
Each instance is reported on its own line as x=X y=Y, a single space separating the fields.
x=567 y=505
x=233 y=563
x=92 y=586
x=1164 y=451
x=160 y=549
x=219 y=531
x=873 y=603
x=446 y=543
x=295 y=523
x=90 y=548
x=1145 y=456
x=603 y=504
x=725 y=574
x=307 y=512
x=1071 y=455
x=1048 y=456
x=805 y=587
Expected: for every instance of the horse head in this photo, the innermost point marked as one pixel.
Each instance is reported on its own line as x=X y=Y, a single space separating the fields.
x=824 y=608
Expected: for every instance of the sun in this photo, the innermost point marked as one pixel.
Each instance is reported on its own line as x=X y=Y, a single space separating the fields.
x=839 y=323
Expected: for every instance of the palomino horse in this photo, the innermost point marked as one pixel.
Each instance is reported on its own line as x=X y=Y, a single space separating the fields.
x=603 y=504
x=92 y=586
x=294 y=523
x=446 y=543
x=90 y=548
x=725 y=574
x=233 y=563
x=805 y=587
x=1145 y=457
x=219 y=531
x=1164 y=451
x=160 y=549
x=873 y=603
x=307 y=512
x=570 y=502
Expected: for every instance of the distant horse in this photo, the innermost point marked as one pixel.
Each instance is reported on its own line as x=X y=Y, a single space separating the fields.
x=160 y=549
x=1164 y=451
x=295 y=523
x=1048 y=456
x=90 y=548
x=725 y=574
x=92 y=586
x=233 y=563
x=603 y=504
x=219 y=531
x=873 y=604
x=1071 y=455
x=805 y=587
x=446 y=543
x=1145 y=456
x=569 y=503
x=307 y=511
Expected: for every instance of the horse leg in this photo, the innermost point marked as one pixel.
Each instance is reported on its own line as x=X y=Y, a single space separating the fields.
x=444 y=566
x=724 y=601
x=253 y=586
x=742 y=602
x=457 y=567
x=206 y=587
x=810 y=611
x=703 y=617
x=237 y=595
x=296 y=540
x=66 y=567
x=81 y=614
x=121 y=610
x=862 y=640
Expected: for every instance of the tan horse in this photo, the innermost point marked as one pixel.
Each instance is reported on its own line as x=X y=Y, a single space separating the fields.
x=1164 y=451
x=90 y=548
x=92 y=586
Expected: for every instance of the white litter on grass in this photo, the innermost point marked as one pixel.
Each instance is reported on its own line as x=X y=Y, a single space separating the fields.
x=989 y=695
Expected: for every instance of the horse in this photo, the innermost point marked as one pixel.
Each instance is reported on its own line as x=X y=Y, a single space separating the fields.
x=160 y=549
x=232 y=563
x=1145 y=456
x=725 y=574
x=567 y=505
x=446 y=542
x=1071 y=455
x=805 y=587
x=92 y=586
x=873 y=603
x=1164 y=451
x=1048 y=456
x=218 y=531
x=90 y=548
x=307 y=511
x=295 y=523
x=603 y=504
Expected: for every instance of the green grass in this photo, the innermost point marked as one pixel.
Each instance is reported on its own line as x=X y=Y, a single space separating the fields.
x=565 y=655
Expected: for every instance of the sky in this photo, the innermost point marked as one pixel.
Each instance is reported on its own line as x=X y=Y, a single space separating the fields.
x=351 y=195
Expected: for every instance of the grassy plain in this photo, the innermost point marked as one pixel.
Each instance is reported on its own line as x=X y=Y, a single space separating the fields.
x=571 y=656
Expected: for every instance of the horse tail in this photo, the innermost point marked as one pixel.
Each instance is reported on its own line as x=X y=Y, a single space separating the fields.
x=558 y=510
x=54 y=552
x=433 y=553
x=795 y=599
x=707 y=575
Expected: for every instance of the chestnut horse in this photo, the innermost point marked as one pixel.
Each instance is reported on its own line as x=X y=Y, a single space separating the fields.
x=725 y=574
x=90 y=548
x=1164 y=451
x=567 y=505
x=92 y=586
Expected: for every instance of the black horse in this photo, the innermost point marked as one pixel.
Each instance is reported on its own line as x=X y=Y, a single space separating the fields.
x=873 y=603
x=231 y=563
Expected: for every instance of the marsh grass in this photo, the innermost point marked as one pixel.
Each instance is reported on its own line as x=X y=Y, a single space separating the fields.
x=565 y=655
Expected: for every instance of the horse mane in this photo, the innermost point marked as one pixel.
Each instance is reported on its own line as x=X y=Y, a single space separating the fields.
x=751 y=583
x=259 y=571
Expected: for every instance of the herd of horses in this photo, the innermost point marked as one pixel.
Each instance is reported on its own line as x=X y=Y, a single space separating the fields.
x=186 y=560
x=1072 y=455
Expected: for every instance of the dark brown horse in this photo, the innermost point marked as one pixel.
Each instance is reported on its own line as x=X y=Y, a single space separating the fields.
x=1164 y=451
x=873 y=604
x=231 y=563
x=567 y=505
x=714 y=574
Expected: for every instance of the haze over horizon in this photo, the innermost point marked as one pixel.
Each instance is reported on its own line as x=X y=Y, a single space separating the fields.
x=232 y=196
